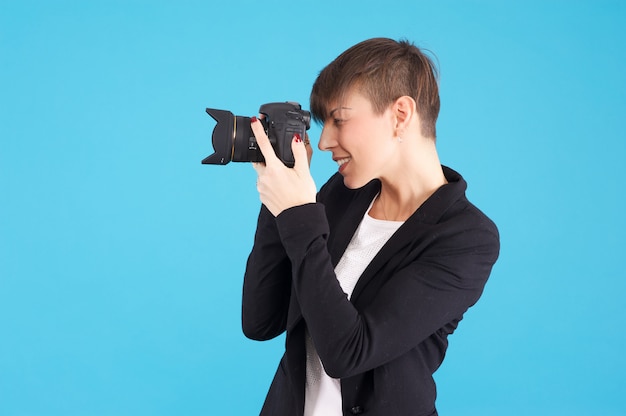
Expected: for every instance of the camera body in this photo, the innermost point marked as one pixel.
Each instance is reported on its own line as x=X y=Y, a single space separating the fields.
x=233 y=139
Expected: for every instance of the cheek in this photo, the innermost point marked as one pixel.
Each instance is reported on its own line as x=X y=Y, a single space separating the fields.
x=356 y=138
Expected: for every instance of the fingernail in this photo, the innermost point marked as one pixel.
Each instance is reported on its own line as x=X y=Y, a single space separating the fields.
x=252 y=119
x=297 y=138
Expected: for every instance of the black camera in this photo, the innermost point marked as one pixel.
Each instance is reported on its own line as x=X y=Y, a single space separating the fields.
x=233 y=139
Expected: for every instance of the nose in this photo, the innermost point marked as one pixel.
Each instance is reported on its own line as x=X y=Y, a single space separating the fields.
x=327 y=139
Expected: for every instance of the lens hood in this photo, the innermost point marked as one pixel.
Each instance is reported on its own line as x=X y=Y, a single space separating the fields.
x=223 y=137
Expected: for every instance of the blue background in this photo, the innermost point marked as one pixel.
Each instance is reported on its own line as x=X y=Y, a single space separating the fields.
x=121 y=256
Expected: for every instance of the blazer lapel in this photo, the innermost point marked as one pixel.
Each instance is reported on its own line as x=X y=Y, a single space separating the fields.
x=410 y=232
x=405 y=235
x=347 y=221
x=346 y=211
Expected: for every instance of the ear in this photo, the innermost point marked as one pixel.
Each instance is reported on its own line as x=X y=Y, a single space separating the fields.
x=405 y=112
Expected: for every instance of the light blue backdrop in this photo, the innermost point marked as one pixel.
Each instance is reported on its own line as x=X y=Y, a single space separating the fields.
x=121 y=256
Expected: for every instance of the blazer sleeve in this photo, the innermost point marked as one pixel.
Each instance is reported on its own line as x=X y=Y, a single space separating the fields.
x=267 y=280
x=267 y=283
x=422 y=296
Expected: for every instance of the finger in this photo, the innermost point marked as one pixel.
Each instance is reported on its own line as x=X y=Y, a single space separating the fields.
x=300 y=156
x=309 y=148
x=264 y=143
x=258 y=166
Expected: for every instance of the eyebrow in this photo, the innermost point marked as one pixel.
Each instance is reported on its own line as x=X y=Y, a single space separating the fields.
x=339 y=108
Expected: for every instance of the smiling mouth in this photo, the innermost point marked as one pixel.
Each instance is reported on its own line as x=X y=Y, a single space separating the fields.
x=343 y=161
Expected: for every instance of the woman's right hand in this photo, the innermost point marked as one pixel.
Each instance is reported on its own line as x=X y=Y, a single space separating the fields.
x=280 y=187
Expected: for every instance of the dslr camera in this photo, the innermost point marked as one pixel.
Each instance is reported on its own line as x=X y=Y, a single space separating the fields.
x=233 y=139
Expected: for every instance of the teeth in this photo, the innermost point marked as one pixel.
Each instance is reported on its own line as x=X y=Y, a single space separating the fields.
x=342 y=161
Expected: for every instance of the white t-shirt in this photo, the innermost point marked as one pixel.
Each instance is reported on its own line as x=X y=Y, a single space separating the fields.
x=323 y=393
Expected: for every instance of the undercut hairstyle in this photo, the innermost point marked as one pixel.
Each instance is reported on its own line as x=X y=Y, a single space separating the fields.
x=383 y=70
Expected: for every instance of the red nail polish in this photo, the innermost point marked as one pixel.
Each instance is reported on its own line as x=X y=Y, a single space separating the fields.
x=297 y=138
x=252 y=119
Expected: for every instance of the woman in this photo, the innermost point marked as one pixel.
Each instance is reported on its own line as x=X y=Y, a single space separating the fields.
x=370 y=275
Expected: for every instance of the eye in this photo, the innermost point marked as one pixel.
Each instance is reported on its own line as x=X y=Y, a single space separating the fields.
x=340 y=115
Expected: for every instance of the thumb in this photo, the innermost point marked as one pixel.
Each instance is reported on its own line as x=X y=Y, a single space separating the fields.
x=301 y=159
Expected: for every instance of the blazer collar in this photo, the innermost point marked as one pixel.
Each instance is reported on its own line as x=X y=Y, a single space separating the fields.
x=355 y=203
x=430 y=212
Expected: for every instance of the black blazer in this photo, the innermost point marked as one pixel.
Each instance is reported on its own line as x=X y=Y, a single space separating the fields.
x=386 y=342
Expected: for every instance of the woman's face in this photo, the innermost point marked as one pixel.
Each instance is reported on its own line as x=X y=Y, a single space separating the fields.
x=362 y=143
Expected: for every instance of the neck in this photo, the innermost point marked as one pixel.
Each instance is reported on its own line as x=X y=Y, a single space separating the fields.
x=409 y=183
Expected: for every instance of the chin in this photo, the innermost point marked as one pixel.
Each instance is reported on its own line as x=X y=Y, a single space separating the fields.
x=354 y=183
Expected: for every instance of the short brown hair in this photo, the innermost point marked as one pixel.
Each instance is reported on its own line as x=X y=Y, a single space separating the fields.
x=384 y=70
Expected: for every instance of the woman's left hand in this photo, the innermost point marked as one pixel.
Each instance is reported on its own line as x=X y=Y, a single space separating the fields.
x=281 y=187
